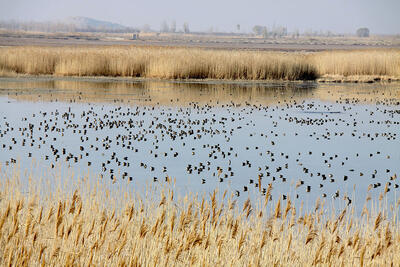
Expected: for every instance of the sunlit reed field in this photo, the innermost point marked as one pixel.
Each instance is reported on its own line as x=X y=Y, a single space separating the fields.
x=195 y=63
x=63 y=225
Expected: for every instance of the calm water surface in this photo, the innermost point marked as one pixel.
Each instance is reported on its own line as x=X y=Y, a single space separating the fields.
x=309 y=141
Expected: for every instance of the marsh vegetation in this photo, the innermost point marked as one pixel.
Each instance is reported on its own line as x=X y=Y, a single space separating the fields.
x=85 y=224
x=194 y=63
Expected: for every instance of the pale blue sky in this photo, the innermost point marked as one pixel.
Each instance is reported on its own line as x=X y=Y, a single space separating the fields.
x=342 y=16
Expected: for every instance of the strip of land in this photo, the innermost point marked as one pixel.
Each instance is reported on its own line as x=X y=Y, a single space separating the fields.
x=194 y=63
x=199 y=40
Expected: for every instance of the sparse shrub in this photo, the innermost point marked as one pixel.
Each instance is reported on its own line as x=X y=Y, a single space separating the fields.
x=186 y=27
x=164 y=27
x=363 y=32
x=257 y=29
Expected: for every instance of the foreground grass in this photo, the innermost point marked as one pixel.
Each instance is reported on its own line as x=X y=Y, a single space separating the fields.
x=91 y=226
x=193 y=63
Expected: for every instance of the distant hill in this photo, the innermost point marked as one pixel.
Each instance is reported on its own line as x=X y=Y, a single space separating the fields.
x=89 y=24
x=71 y=24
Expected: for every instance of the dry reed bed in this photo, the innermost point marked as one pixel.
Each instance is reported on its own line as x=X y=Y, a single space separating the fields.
x=164 y=63
x=92 y=228
x=193 y=63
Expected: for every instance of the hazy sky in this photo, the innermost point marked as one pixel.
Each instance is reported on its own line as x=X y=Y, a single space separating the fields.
x=342 y=16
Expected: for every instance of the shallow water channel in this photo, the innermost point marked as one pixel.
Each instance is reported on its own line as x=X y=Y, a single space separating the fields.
x=338 y=142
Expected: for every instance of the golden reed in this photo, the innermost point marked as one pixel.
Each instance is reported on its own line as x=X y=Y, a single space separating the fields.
x=194 y=63
x=92 y=226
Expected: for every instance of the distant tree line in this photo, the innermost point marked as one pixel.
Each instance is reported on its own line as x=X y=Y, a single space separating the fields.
x=274 y=32
x=258 y=30
x=172 y=27
x=281 y=31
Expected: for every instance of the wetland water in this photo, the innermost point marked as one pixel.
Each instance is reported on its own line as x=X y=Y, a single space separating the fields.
x=334 y=142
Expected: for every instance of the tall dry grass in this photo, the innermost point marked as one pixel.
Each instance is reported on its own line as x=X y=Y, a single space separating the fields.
x=194 y=63
x=86 y=227
x=359 y=63
x=164 y=63
x=358 y=66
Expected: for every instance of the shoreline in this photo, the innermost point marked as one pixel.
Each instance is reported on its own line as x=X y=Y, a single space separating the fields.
x=333 y=79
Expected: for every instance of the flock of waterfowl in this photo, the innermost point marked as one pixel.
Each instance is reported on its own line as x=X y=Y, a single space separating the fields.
x=299 y=147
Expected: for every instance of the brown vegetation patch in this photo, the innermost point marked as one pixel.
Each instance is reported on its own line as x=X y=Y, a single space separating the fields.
x=91 y=227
